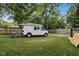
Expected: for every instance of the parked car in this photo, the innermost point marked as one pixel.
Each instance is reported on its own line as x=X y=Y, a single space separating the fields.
x=31 y=29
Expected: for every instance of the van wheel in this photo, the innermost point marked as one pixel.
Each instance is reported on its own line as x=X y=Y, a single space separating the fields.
x=45 y=34
x=29 y=35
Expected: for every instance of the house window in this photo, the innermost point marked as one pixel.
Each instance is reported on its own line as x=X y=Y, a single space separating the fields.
x=36 y=28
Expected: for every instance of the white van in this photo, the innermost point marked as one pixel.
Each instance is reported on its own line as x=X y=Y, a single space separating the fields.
x=31 y=29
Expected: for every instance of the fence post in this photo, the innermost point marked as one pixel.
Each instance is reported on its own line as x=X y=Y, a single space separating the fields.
x=6 y=30
x=71 y=32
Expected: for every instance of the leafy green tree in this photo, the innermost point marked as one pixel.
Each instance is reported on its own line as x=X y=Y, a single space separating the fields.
x=21 y=12
x=1 y=11
x=73 y=15
x=46 y=14
x=5 y=23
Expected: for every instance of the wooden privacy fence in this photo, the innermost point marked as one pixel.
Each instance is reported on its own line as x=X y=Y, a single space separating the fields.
x=8 y=30
x=52 y=31
x=60 y=31
x=64 y=31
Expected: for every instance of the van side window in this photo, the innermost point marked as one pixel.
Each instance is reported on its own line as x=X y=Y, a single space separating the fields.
x=36 y=28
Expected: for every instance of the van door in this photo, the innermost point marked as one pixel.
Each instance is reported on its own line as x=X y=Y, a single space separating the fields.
x=36 y=30
x=40 y=31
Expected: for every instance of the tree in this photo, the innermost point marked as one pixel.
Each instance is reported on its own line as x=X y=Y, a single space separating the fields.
x=46 y=14
x=1 y=11
x=20 y=12
x=56 y=24
x=73 y=15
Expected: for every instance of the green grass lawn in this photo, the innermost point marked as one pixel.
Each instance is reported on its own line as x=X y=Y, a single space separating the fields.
x=37 y=46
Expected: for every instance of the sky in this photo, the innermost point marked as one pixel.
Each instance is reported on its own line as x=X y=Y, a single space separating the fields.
x=63 y=10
